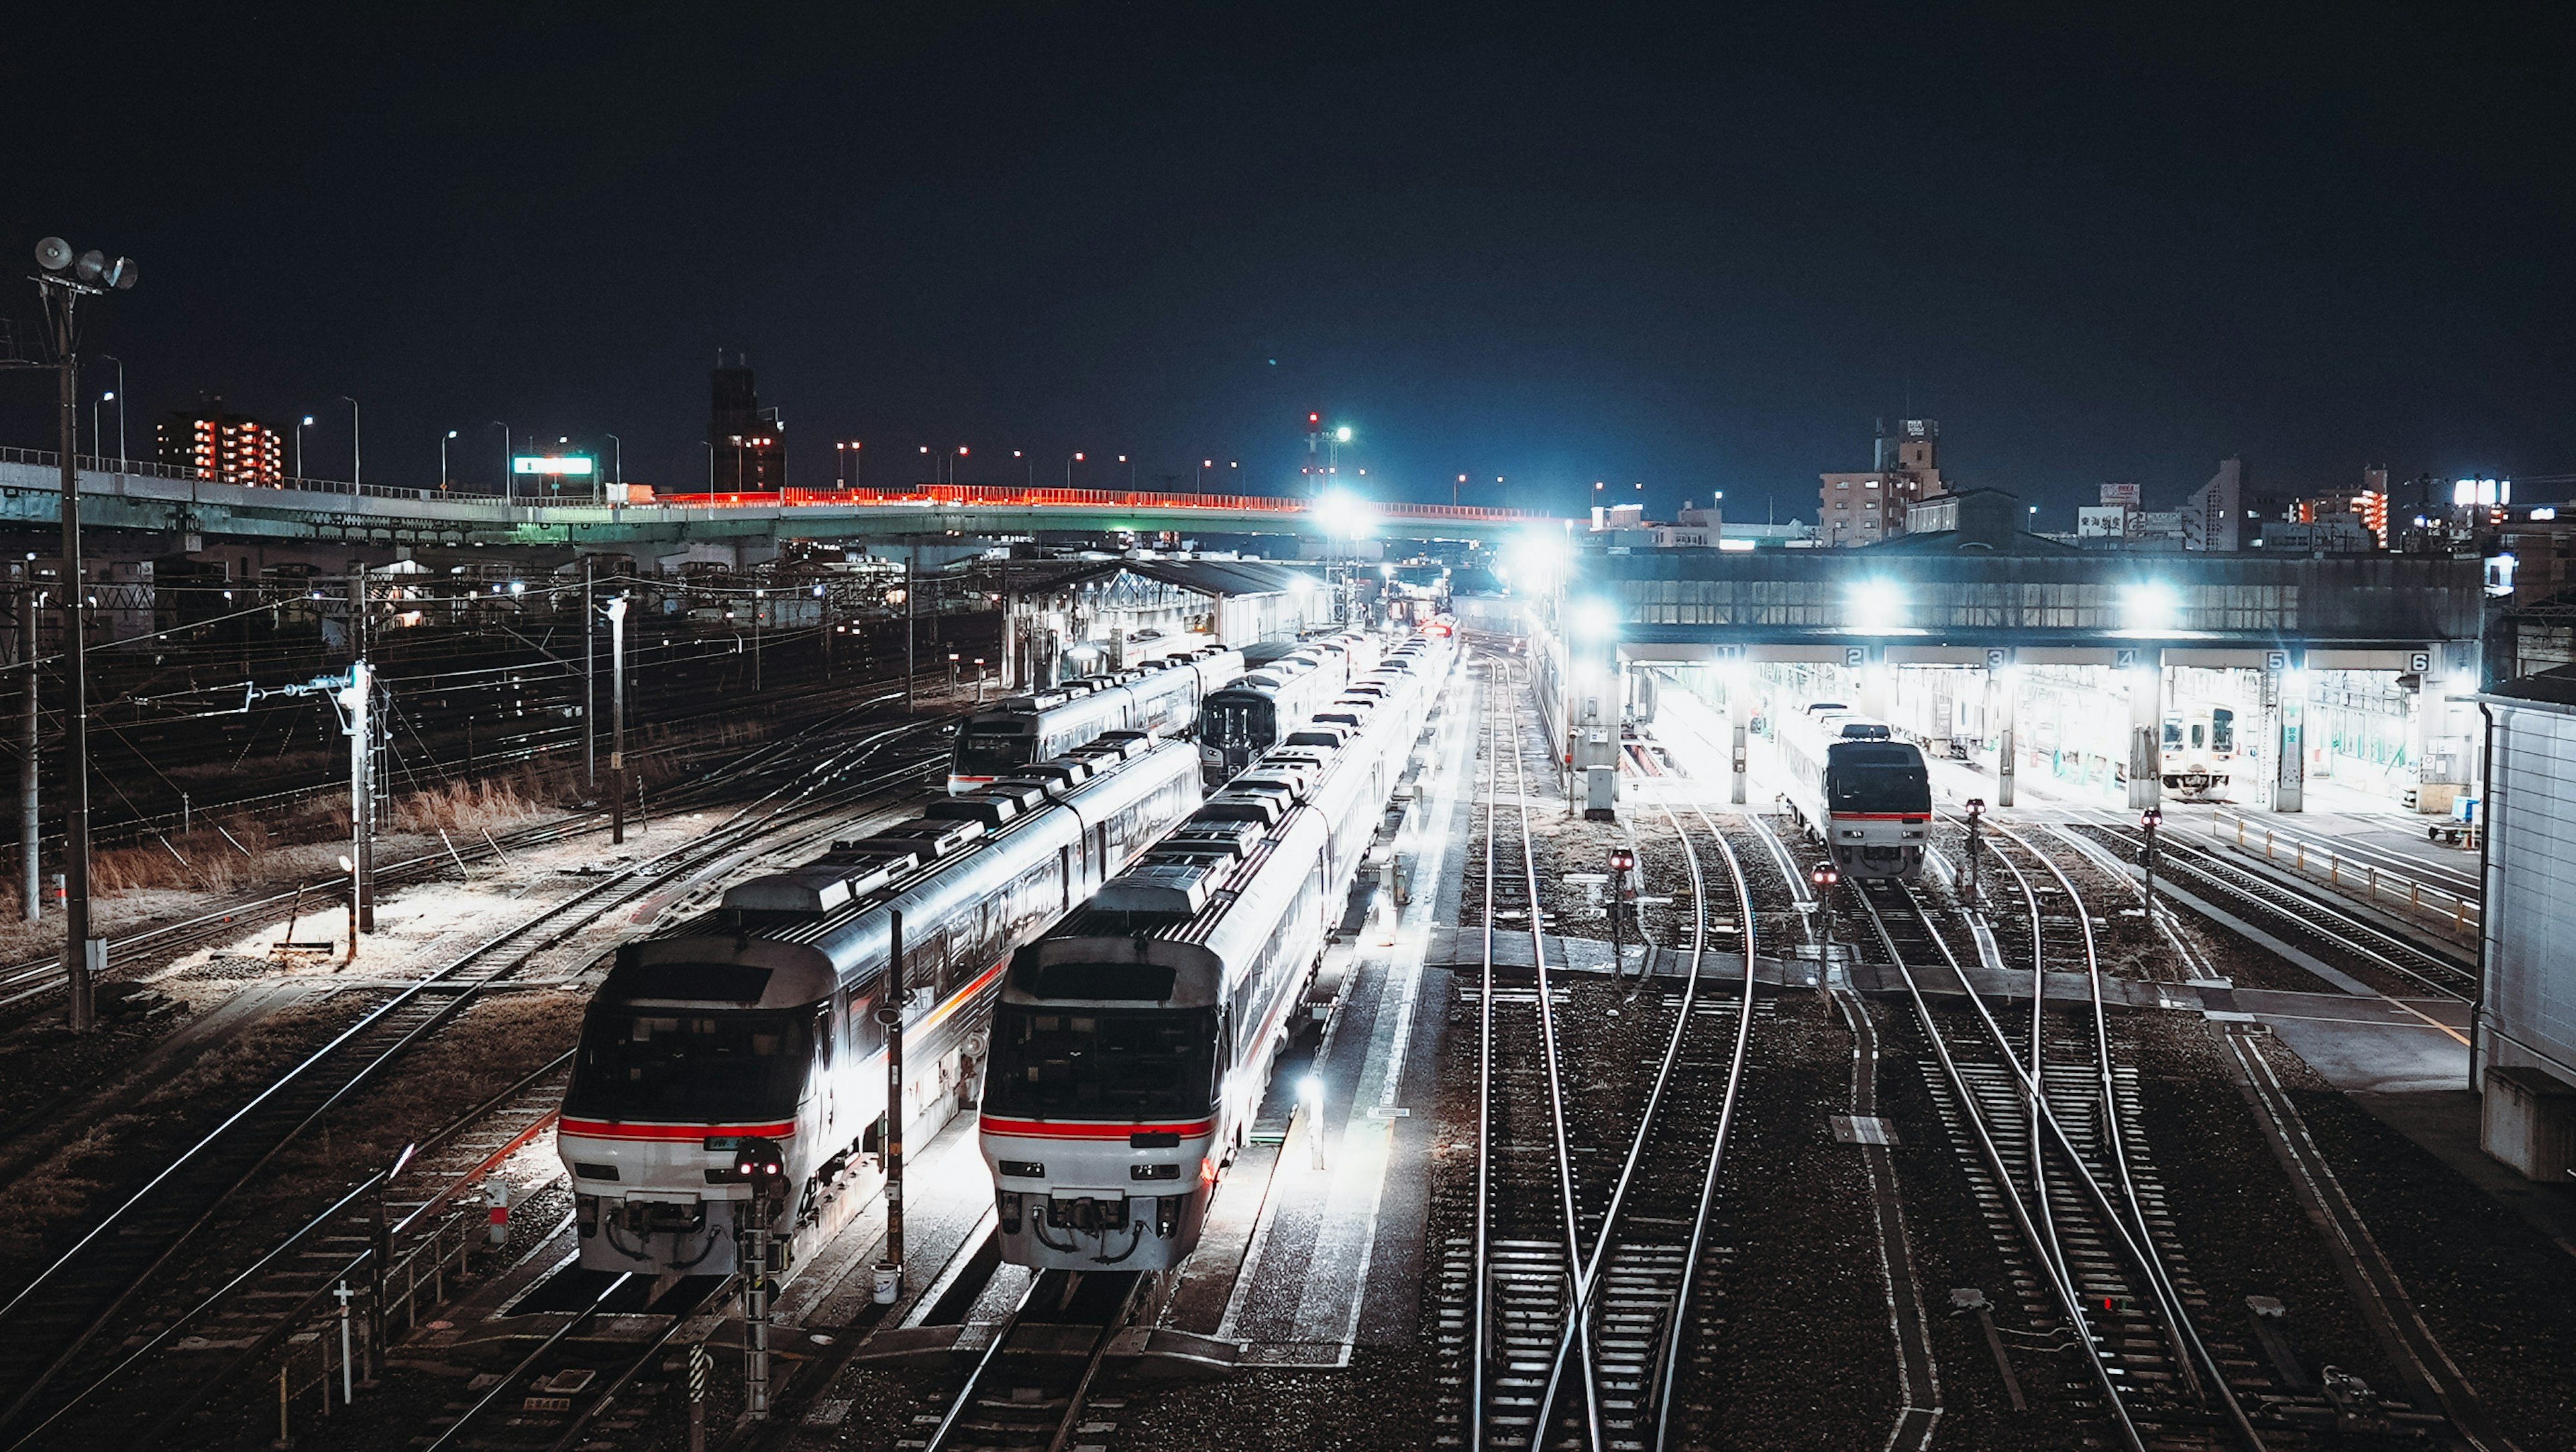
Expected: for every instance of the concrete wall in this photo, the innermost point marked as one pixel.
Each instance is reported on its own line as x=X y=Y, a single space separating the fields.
x=2528 y=1018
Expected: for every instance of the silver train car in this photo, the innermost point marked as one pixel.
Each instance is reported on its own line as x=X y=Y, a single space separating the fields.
x=1252 y=714
x=757 y=1020
x=1161 y=696
x=1855 y=788
x=1134 y=1041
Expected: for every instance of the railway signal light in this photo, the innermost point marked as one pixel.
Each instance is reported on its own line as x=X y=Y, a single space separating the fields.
x=1826 y=875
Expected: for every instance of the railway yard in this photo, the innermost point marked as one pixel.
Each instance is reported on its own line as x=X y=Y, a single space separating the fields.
x=2009 y=1155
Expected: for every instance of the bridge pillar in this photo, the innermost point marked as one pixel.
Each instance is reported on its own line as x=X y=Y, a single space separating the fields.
x=2003 y=690
x=1877 y=699
x=2290 y=752
x=2146 y=729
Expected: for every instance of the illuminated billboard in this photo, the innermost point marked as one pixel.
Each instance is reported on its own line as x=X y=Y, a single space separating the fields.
x=555 y=464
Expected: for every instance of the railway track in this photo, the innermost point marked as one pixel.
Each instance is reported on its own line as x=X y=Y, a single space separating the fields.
x=1918 y=1374
x=52 y=1325
x=1030 y=1386
x=1637 y=1284
x=30 y=979
x=2441 y=1407
x=408 y=1215
x=1523 y=1295
x=2076 y=1199
x=2309 y=918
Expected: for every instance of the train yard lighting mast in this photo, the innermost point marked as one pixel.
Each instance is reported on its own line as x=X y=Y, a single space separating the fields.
x=64 y=278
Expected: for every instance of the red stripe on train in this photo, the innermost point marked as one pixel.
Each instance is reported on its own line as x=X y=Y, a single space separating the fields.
x=1058 y=1129
x=608 y=1129
x=1917 y=818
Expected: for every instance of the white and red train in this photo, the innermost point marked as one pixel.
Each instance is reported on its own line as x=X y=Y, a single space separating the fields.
x=1162 y=696
x=1856 y=789
x=757 y=1020
x=1253 y=714
x=1134 y=1040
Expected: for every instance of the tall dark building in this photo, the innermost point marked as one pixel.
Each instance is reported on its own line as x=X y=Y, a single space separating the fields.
x=750 y=441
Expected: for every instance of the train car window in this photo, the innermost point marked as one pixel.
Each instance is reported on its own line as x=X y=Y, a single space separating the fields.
x=982 y=752
x=1135 y=982
x=723 y=982
x=695 y=1065
x=2222 y=730
x=2173 y=735
x=2198 y=741
x=1133 y=1063
x=826 y=1042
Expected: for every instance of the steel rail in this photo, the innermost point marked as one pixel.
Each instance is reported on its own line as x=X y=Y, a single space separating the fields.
x=740 y=826
x=1588 y=1271
x=2300 y=909
x=189 y=1317
x=501 y=1388
x=1974 y=1116
x=1581 y=1309
x=2196 y=1352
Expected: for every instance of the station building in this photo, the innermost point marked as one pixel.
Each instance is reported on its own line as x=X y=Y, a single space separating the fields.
x=2525 y=1041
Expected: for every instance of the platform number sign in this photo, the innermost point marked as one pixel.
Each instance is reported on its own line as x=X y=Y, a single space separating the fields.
x=2276 y=661
x=1854 y=656
x=2420 y=662
x=2124 y=658
x=1997 y=657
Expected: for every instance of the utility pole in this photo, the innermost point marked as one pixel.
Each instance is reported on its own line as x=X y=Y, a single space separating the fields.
x=617 y=714
x=29 y=842
x=890 y=1013
x=589 y=698
x=362 y=735
x=911 y=568
x=65 y=280
x=362 y=791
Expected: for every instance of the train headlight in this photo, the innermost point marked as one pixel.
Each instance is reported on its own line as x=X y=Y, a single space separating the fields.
x=1024 y=1169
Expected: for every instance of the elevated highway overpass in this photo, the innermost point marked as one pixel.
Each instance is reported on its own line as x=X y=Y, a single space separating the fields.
x=148 y=500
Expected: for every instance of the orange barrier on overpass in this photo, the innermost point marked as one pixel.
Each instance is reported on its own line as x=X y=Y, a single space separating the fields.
x=1004 y=495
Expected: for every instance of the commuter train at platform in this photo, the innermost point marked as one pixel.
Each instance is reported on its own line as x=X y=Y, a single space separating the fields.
x=758 y=1020
x=1862 y=793
x=1134 y=1041
x=1162 y=696
x=1251 y=715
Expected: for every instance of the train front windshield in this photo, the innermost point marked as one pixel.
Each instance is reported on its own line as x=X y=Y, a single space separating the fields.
x=1108 y=1063
x=1868 y=777
x=982 y=752
x=1237 y=721
x=691 y=1065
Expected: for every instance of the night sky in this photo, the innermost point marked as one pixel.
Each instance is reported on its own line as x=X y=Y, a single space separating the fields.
x=1553 y=245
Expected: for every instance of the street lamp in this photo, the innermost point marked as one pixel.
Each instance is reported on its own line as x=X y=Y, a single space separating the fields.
x=1068 y=469
x=354 y=473
x=617 y=461
x=442 y=458
x=301 y=425
x=119 y=396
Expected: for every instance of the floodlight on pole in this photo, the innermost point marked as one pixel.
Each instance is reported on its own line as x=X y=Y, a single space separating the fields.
x=64 y=280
